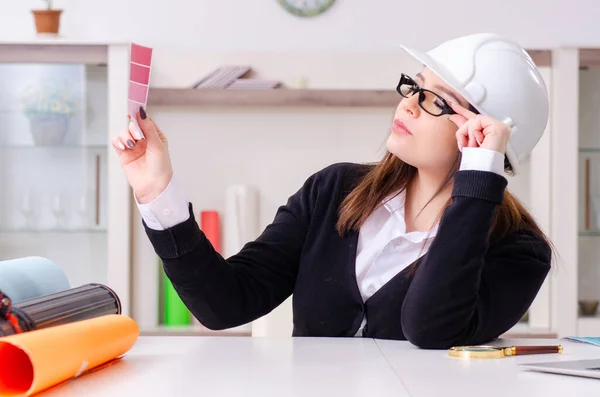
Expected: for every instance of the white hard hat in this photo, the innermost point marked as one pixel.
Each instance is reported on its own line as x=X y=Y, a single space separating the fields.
x=500 y=80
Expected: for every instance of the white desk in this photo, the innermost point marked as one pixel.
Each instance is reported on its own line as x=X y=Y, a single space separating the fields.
x=242 y=366
x=312 y=367
x=433 y=373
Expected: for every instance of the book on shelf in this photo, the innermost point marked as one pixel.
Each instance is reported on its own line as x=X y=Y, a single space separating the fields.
x=232 y=77
x=222 y=76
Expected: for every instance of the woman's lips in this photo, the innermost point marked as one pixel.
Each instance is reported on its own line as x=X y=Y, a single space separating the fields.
x=400 y=128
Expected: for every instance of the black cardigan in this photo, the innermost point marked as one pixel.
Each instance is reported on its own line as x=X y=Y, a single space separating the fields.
x=464 y=290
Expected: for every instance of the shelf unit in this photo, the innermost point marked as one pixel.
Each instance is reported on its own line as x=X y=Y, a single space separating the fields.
x=588 y=192
x=94 y=243
x=279 y=97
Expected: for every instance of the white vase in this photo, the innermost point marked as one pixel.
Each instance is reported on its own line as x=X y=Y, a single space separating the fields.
x=48 y=129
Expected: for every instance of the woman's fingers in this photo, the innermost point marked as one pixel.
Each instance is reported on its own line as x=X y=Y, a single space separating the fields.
x=469 y=134
x=466 y=113
x=124 y=141
x=458 y=120
x=116 y=142
x=467 y=122
x=475 y=135
x=137 y=137
x=135 y=131
x=127 y=139
x=149 y=128
x=161 y=135
x=462 y=136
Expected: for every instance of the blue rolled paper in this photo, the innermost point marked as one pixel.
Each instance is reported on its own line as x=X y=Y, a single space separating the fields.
x=31 y=277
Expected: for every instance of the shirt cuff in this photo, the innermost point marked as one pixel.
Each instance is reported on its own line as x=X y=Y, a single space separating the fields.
x=481 y=159
x=170 y=208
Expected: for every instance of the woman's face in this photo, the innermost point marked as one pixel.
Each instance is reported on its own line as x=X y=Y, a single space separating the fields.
x=419 y=138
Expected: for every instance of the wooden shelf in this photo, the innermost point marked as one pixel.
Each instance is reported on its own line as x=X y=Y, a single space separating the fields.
x=280 y=97
x=54 y=51
x=589 y=233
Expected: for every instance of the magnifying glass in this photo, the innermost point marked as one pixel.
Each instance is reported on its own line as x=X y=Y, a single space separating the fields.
x=469 y=352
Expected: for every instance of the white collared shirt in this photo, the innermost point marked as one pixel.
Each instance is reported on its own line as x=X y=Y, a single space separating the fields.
x=384 y=247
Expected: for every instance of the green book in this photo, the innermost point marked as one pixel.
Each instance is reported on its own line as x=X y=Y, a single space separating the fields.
x=173 y=310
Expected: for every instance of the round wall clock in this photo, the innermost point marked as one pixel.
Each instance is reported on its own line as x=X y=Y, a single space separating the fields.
x=306 y=8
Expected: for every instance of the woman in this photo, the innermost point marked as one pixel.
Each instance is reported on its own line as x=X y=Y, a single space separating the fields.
x=426 y=245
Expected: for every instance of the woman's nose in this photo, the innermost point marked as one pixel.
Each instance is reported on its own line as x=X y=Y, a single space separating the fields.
x=410 y=105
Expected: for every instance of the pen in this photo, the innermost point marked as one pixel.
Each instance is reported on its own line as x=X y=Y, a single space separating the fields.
x=521 y=350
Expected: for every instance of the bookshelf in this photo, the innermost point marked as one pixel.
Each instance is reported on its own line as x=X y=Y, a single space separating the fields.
x=280 y=97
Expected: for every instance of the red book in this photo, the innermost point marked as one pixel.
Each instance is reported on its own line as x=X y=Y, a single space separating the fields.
x=210 y=225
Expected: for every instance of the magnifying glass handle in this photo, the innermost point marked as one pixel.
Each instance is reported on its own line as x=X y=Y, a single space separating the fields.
x=522 y=350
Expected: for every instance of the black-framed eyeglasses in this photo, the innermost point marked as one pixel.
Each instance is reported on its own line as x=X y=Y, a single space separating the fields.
x=429 y=101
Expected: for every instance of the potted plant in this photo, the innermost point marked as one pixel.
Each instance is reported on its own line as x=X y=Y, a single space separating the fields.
x=49 y=108
x=47 y=20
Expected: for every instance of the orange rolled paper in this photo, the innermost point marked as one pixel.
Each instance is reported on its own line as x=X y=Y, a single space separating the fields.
x=34 y=361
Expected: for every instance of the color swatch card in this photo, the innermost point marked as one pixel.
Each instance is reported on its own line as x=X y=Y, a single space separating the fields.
x=139 y=77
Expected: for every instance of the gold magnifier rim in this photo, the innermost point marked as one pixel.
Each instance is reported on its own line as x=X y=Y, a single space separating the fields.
x=482 y=351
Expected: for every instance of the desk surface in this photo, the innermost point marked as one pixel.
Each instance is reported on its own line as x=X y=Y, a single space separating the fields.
x=504 y=377
x=310 y=367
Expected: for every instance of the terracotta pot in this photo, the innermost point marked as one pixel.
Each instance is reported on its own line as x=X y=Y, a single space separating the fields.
x=47 y=21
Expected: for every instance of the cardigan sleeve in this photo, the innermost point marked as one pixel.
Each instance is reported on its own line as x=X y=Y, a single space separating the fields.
x=465 y=292
x=224 y=293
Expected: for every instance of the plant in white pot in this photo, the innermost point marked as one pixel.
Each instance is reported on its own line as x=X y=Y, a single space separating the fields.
x=47 y=20
x=49 y=108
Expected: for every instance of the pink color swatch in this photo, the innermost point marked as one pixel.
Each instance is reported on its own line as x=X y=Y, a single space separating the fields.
x=133 y=108
x=141 y=55
x=139 y=74
x=138 y=92
x=139 y=78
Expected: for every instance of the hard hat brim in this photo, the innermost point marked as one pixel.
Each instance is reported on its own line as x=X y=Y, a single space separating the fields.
x=439 y=70
x=449 y=79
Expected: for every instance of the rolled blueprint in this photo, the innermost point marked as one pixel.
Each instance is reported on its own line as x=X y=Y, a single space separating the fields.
x=241 y=223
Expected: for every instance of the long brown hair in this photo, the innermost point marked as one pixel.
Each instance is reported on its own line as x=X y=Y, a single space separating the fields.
x=392 y=175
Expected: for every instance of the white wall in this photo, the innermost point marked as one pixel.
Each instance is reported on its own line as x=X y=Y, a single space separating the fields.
x=351 y=25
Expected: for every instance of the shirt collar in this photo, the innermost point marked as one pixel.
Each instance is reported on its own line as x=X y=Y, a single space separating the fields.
x=394 y=203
